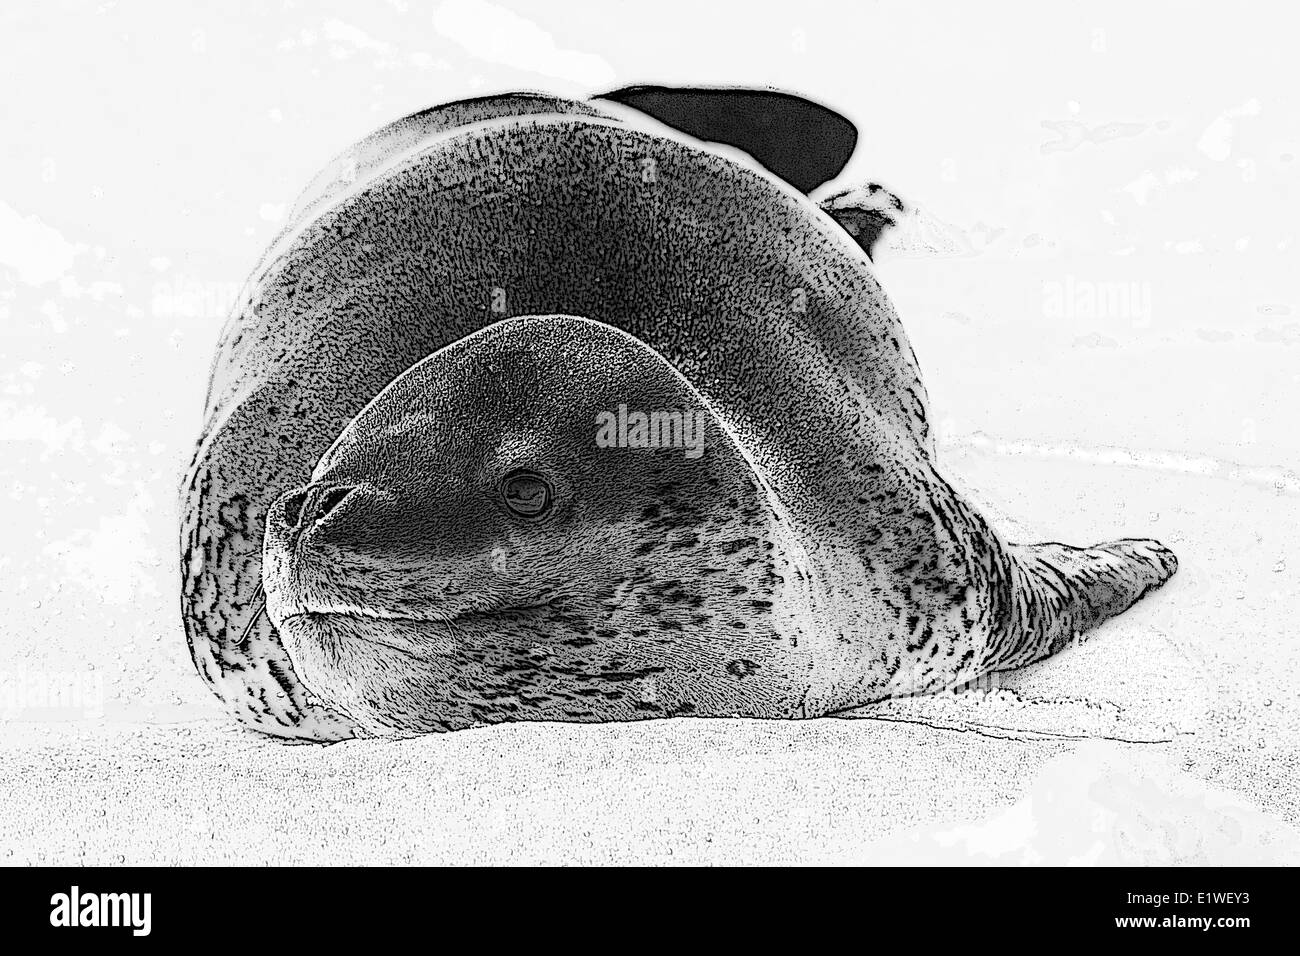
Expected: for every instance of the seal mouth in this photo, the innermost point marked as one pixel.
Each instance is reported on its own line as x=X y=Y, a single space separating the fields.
x=418 y=636
x=370 y=613
x=366 y=613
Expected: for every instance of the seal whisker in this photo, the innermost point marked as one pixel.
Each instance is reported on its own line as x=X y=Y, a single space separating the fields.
x=259 y=597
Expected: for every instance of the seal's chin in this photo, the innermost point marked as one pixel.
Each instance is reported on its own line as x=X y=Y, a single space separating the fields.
x=397 y=672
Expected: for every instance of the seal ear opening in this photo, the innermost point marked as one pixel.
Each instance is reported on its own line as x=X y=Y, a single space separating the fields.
x=804 y=143
x=865 y=212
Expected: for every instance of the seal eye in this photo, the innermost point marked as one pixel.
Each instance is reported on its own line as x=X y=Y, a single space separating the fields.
x=527 y=494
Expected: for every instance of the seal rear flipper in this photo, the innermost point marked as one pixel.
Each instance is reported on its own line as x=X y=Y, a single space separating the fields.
x=865 y=212
x=1060 y=592
x=804 y=143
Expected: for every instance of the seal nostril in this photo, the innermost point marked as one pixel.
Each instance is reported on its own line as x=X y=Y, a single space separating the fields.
x=293 y=508
x=330 y=500
x=311 y=505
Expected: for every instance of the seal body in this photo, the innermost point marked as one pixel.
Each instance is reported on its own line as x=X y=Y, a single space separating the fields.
x=461 y=314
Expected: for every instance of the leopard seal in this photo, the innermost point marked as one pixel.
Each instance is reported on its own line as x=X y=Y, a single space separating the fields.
x=400 y=519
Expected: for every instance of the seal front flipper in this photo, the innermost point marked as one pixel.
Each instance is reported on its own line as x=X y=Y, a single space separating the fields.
x=804 y=143
x=976 y=604
x=865 y=212
x=1064 y=591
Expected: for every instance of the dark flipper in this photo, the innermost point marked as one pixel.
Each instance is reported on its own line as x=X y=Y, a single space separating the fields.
x=802 y=142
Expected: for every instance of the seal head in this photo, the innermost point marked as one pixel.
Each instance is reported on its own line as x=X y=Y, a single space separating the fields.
x=490 y=540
